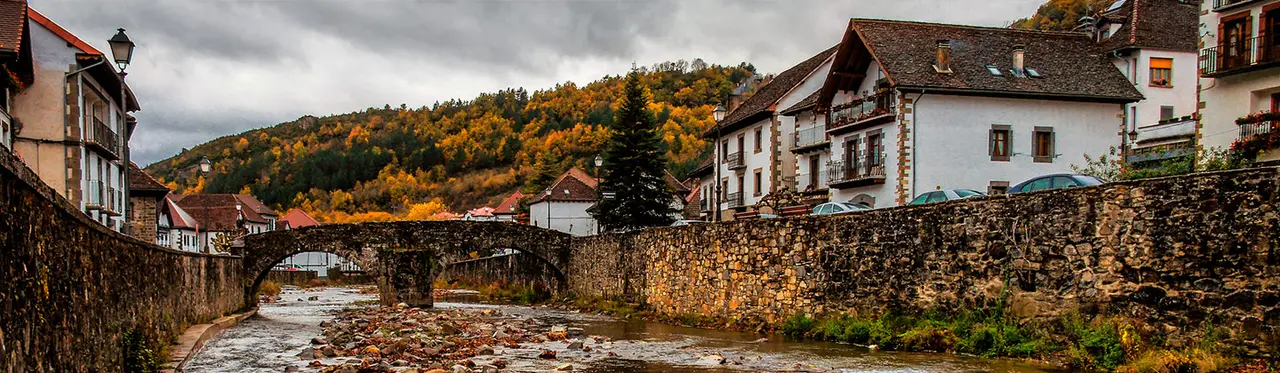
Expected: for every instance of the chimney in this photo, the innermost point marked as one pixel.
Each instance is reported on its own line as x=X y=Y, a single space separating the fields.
x=1019 y=58
x=735 y=101
x=944 y=57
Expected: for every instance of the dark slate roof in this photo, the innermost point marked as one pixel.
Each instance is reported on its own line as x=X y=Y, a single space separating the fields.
x=763 y=101
x=142 y=182
x=1157 y=24
x=13 y=19
x=806 y=103
x=704 y=166
x=1071 y=65
x=573 y=186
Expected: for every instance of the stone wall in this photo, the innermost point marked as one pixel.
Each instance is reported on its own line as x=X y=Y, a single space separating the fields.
x=72 y=288
x=1180 y=253
x=292 y=277
x=143 y=217
x=516 y=269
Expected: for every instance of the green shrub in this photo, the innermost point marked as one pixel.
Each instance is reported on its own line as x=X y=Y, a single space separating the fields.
x=798 y=325
x=140 y=354
x=928 y=338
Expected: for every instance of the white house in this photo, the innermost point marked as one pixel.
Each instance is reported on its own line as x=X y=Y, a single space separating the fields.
x=1154 y=44
x=232 y=215
x=751 y=161
x=75 y=127
x=177 y=229
x=1240 y=70
x=564 y=205
x=961 y=107
x=480 y=214
x=506 y=211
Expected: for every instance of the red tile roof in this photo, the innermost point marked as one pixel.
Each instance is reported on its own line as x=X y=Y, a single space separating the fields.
x=509 y=205
x=764 y=100
x=218 y=212
x=63 y=33
x=13 y=20
x=180 y=218
x=1158 y=24
x=297 y=218
x=257 y=206
x=140 y=181
x=573 y=186
x=483 y=211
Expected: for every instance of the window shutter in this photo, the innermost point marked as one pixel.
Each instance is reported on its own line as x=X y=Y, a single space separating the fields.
x=1222 y=28
x=1053 y=144
x=991 y=142
x=1161 y=63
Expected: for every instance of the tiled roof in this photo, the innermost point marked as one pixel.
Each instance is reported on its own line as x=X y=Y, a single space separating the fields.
x=573 y=186
x=1071 y=65
x=1158 y=24
x=764 y=100
x=63 y=33
x=179 y=217
x=806 y=103
x=483 y=211
x=704 y=166
x=693 y=196
x=508 y=206
x=675 y=184
x=297 y=218
x=140 y=181
x=257 y=206
x=217 y=212
x=13 y=19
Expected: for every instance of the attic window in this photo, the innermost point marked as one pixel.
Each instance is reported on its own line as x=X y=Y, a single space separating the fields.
x=994 y=70
x=566 y=192
x=1033 y=73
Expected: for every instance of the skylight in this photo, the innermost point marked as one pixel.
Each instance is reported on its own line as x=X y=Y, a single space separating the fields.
x=1033 y=73
x=994 y=70
x=1116 y=5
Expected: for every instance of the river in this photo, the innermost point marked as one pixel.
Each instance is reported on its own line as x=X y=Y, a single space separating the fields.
x=271 y=340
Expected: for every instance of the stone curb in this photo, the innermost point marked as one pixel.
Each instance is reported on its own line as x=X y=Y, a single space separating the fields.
x=194 y=338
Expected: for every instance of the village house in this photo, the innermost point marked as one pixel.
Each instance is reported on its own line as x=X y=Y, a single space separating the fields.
x=750 y=161
x=15 y=58
x=1240 y=71
x=563 y=206
x=972 y=108
x=295 y=219
x=229 y=215
x=1153 y=43
x=506 y=211
x=75 y=125
x=480 y=214
x=176 y=228
x=146 y=203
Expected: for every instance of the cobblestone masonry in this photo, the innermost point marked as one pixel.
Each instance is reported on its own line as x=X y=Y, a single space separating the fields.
x=70 y=288
x=1180 y=253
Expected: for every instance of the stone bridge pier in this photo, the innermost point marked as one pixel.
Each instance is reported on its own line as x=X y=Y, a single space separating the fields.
x=403 y=257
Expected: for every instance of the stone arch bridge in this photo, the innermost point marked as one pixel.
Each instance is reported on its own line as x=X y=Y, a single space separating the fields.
x=404 y=257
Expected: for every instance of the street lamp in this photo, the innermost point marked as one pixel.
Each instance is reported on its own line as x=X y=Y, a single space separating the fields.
x=599 y=161
x=205 y=167
x=718 y=115
x=122 y=50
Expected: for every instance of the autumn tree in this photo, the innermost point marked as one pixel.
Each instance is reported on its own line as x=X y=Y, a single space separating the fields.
x=1061 y=15
x=633 y=167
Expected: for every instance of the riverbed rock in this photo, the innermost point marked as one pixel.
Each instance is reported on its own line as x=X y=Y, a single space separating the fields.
x=461 y=369
x=484 y=350
x=547 y=354
x=576 y=345
x=319 y=341
x=565 y=367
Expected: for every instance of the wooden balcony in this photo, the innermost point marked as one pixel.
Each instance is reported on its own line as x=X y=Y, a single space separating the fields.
x=1240 y=57
x=863 y=113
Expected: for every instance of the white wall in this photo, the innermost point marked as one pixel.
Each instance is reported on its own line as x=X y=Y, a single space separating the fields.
x=753 y=160
x=884 y=194
x=803 y=121
x=568 y=217
x=952 y=138
x=1182 y=95
x=1233 y=96
x=787 y=124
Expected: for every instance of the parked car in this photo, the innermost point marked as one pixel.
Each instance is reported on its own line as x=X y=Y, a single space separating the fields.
x=945 y=195
x=1055 y=181
x=836 y=208
x=287 y=267
x=681 y=223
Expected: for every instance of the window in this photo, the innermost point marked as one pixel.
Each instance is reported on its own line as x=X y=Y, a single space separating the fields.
x=724 y=189
x=1042 y=145
x=920 y=199
x=742 y=185
x=873 y=149
x=998 y=187
x=1038 y=184
x=937 y=197
x=1161 y=72
x=999 y=142
x=724 y=151
x=1060 y=182
x=759 y=140
x=1275 y=100
x=994 y=70
x=757 y=183
x=1166 y=113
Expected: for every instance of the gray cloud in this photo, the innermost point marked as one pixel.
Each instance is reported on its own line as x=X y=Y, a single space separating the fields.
x=205 y=69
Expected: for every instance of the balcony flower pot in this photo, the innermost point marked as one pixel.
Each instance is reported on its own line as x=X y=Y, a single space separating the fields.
x=1259 y=117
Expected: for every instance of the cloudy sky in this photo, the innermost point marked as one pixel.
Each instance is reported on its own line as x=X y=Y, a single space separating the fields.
x=209 y=68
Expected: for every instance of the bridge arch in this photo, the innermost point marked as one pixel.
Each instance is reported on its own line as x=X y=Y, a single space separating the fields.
x=403 y=257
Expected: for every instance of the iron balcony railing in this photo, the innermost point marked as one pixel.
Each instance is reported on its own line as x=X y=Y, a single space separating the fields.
x=97 y=195
x=100 y=136
x=733 y=200
x=1238 y=56
x=736 y=161
x=162 y=238
x=1221 y=4
x=1250 y=130
x=867 y=167
x=866 y=109
x=809 y=137
x=812 y=181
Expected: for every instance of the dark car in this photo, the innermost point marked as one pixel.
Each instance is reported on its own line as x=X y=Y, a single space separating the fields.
x=1055 y=181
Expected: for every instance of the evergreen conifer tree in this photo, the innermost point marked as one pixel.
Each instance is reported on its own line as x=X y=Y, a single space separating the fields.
x=634 y=167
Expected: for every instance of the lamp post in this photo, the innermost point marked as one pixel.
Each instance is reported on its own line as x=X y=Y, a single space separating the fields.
x=205 y=168
x=122 y=51
x=599 y=161
x=718 y=115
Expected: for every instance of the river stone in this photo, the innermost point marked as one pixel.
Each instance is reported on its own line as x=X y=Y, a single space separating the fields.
x=484 y=350
x=461 y=369
x=319 y=341
x=576 y=345
x=565 y=367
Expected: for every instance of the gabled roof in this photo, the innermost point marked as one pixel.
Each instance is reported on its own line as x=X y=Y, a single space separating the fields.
x=573 y=186
x=1171 y=25
x=140 y=181
x=508 y=206
x=64 y=34
x=1070 y=64
x=763 y=102
x=297 y=218
x=693 y=196
x=482 y=211
x=257 y=206
x=674 y=184
x=104 y=73
x=179 y=217
x=805 y=104
x=13 y=22
x=218 y=212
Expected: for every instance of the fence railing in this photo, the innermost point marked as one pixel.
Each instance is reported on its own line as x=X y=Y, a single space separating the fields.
x=810 y=136
x=736 y=161
x=868 y=165
x=101 y=136
x=733 y=200
x=1239 y=54
x=1250 y=130
x=97 y=194
x=812 y=181
x=858 y=111
x=162 y=238
x=1219 y=4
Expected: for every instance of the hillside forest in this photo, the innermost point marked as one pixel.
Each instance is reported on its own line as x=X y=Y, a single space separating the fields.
x=393 y=163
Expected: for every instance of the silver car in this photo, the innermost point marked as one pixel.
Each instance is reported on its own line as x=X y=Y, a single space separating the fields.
x=835 y=208
x=945 y=195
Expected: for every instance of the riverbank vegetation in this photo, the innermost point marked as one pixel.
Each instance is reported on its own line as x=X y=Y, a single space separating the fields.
x=503 y=291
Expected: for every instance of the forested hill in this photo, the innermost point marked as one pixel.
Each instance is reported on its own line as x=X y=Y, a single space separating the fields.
x=400 y=162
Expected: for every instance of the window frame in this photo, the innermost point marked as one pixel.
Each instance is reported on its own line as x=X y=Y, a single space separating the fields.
x=1155 y=74
x=1171 y=110
x=759 y=140
x=757 y=184
x=1007 y=132
x=1046 y=153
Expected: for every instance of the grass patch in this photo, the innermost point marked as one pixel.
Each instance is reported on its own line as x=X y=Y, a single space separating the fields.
x=269 y=288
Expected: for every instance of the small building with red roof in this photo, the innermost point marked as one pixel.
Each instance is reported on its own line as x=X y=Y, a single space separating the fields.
x=295 y=219
x=563 y=206
x=507 y=210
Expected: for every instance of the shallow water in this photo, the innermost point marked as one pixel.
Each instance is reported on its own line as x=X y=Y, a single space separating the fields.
x=270 y=341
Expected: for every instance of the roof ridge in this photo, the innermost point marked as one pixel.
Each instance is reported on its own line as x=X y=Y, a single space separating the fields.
x=975 y=27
